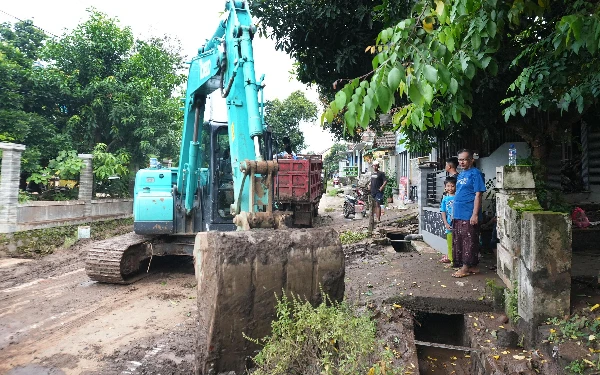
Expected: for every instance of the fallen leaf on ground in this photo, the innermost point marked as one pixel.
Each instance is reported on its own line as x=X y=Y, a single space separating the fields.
x=443 y=286
x=496 y=357
x=595 y=307
x=589 y=362
x=519 y=357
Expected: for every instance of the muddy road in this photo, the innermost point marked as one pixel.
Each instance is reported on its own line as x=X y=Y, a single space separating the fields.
x=54 y=320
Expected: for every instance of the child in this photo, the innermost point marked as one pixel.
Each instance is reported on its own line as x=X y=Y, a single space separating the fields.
x=451 y=164
x=446 y=207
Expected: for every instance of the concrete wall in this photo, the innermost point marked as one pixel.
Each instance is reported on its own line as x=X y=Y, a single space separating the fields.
x=534 y=250
x=433 y=230
x=45 y=214
x=498 y=158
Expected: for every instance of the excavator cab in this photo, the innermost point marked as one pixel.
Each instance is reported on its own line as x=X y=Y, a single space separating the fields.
x=217 y=191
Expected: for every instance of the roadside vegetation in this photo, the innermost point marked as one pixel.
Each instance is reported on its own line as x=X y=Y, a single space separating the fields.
x=330 y=339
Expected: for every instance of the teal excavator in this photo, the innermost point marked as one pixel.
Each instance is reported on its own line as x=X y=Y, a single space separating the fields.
x=217 y=205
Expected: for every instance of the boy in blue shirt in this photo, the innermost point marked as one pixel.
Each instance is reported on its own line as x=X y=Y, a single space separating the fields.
x=447 y=208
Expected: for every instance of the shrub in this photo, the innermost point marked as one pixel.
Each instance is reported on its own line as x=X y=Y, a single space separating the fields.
x=329 y=339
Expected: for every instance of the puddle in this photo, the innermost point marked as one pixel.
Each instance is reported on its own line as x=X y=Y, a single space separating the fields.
x=439 y=338
x=396 y=244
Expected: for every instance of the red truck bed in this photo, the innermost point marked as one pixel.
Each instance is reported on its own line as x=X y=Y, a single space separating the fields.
x=299 y=180
x=298 y=184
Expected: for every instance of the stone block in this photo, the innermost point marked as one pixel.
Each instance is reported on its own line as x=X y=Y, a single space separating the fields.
x=546 y=243
x=541 y=297
x=507 y=265
x=518 y=177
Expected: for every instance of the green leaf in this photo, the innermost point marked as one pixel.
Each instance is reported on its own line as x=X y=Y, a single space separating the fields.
x=340 y=99
x=440 y=50
x=394 y=77
x=470 y=72
x=485 y=62
x=464 y=61
x=491 y=28
x=417 y=118
x=453 y=86
x=437 y=118
x=350 y=122
x=329 y=116
x=444 y=74
x=467 y=111
x=430 y=73
x=476 y=41
x=375 y=62
x=384 y=98
x=427 y=93
x=450 y=42
x=415 y=94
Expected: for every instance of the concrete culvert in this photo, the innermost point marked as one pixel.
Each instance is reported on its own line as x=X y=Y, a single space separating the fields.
x=398 y=241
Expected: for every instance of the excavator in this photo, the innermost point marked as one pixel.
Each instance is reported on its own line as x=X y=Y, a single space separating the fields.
x=217 y=205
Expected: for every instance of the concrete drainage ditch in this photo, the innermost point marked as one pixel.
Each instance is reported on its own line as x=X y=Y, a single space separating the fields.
x=441 y=340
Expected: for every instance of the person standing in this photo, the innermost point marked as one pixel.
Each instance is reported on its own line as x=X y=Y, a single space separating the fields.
x=378 y=182
x=447 y=208
x=451 y=164
x=465 y=226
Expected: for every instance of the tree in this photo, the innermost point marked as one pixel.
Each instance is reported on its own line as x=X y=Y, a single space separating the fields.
x=327 y=39
x=95 y=84
x=23 y=101
x=432 y=69
x=111 y=88
x=284 y=118
x=336 y=153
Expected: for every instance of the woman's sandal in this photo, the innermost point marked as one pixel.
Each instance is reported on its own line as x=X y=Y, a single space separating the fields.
x=445 y=259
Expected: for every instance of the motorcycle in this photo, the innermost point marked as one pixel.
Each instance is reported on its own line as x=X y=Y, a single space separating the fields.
x=354 y=205
x=336 y=182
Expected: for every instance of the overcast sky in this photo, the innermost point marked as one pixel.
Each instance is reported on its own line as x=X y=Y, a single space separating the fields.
x=191 y=22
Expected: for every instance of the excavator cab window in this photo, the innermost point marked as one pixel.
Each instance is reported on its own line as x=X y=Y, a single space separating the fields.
x=223 y=175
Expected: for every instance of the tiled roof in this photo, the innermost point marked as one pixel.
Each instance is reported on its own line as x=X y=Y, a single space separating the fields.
x=387 y=140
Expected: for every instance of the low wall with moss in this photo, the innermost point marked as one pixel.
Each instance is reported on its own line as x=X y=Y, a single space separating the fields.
x=533 y=253
x=44 y=241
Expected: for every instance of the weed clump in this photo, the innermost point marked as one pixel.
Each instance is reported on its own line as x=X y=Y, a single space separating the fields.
x=330 y=339
x=349 y=237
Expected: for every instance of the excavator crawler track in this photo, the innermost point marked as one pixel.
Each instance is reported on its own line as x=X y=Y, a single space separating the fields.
x=118 y=260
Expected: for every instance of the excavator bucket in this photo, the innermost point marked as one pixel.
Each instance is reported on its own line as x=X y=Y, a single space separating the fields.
x=239 y=274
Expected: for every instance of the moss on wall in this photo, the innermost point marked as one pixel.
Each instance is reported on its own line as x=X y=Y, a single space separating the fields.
x=522 y=204
x=45 y=241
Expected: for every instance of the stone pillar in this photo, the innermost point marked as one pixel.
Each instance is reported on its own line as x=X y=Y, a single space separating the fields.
x=534 y=251
x=424 y=169
x=544 y=269
x=86 y=183
x=516 y=193
x=9 y=185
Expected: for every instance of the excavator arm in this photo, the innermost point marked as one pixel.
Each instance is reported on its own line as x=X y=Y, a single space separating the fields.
x=226 y=62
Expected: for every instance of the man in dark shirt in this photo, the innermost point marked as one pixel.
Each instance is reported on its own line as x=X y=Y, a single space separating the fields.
x=451 y=164
x=378 y=182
